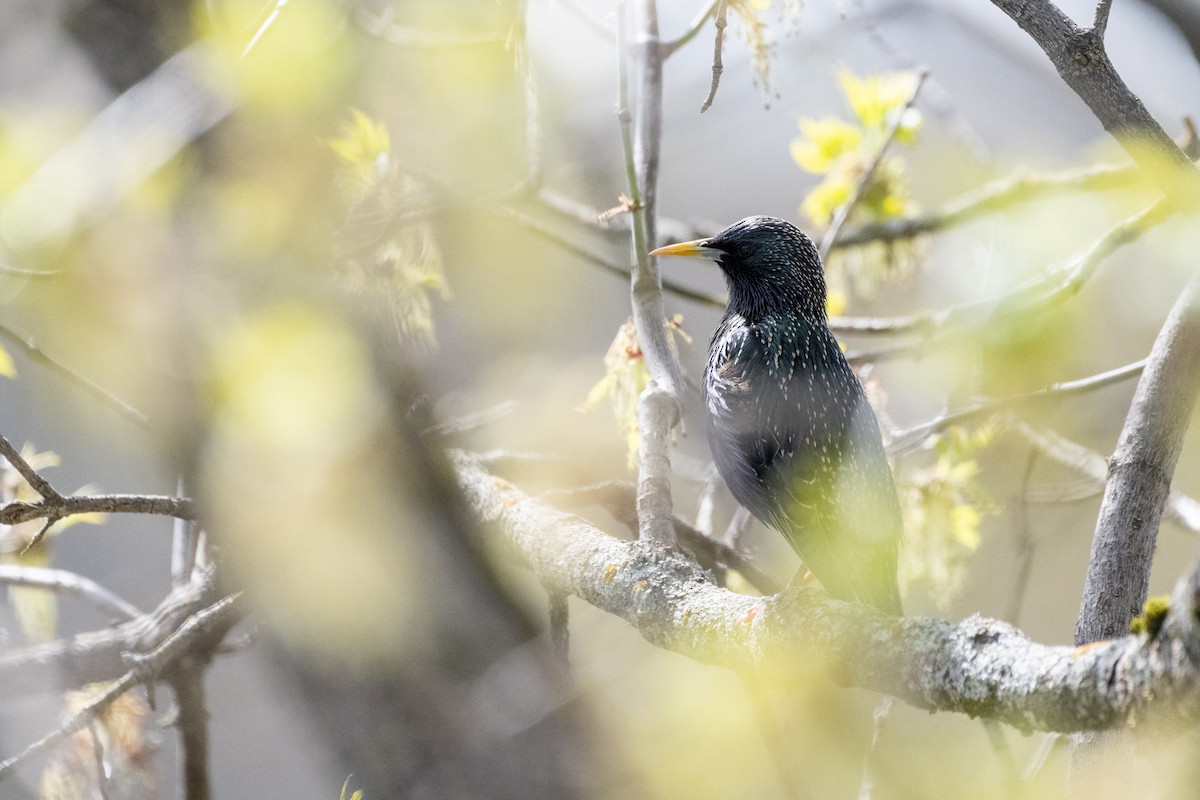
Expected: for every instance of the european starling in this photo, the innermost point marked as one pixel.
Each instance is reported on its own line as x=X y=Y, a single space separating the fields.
x=790 y=427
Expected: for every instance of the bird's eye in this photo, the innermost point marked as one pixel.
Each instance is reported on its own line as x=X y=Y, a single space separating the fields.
x=745 y=249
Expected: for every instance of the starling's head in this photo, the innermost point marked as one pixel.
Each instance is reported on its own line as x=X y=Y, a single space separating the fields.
x=769 y=266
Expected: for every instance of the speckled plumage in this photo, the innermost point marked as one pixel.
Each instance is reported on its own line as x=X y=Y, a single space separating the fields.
x=790 y=428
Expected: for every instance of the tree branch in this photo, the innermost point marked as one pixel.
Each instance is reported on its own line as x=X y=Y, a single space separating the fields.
x=979 y=667
x=1054 y=286
x=65 y=582
x=162 y=505
x=192 y=723
x=205 y=628
x=693 y=30
x=906 y=439
x=26 y=471
x=98 y=655
x=658 y=408
x=1139 y=475
x=994 y=196
x=1100 y=23
x=718 y=66
x=1079 y=56
x=28 y=346
x=1180 y=509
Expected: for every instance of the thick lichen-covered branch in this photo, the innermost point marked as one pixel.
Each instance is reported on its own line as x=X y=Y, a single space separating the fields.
x=980 y=667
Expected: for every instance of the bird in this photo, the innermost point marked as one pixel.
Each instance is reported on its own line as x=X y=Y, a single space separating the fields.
x=789 y=424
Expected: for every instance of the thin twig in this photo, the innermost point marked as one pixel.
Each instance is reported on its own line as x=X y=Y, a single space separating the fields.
x=17 y=272
x=1181 y=509
x=693 y=30
x=382 y=26
x=718 y=67
x=71 y=583
x=185 y=537
x=1054 y=286
x=31 y=349
x=17 y=512
x=1026 y=544
x=590 y=255
x=39 y=484
x=864 y=182
x=473 y=421
x=272 y=15
x=1003 y=752
x=995 y=196
x=1040 y=756
x=866 y=788
x=617 y=497
x=906 y=439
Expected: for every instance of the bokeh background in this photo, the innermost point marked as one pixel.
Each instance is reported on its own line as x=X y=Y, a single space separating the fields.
x=215 y=226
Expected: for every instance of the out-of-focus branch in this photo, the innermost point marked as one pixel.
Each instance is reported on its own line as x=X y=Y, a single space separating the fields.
x=28 y=346
x=1180 y=509
x=1045 y=291
x=98 y=655
x=125 y=144
x=1185 y=16
x=906 y=439
x=995 y=196
x=980 y=667
x=204 y=629
x=66 y=582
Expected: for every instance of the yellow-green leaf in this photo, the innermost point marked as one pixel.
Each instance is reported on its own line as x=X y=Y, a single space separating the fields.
x=7 y=368
x=362 y=146
x=874 y=97
x=823 y=142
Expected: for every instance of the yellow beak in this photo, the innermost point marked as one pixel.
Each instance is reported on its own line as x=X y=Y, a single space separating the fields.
x=698 y=247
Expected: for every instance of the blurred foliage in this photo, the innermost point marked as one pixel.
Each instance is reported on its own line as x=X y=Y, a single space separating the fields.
x=626 y=377
x=842 y=150
x=119 y=742
x=388 y=261
x=358 y=795
x=943 y=505
x=298 y=482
